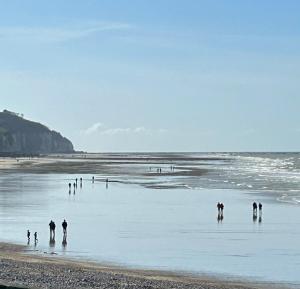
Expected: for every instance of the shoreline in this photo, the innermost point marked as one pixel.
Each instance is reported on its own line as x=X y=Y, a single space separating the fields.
x=63 y=271
x=22 y=269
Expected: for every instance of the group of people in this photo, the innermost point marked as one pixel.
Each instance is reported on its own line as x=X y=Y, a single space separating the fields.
x=35 y=237
x=220 y=207
x=52 y=227
x=254 y=205
x=159 y=170
x=75 y=184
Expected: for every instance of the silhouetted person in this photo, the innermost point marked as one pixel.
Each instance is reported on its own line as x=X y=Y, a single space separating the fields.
x=106 y=181
x=93 y=179
x=54 y=226
x=28 y=236
x=64 y=225
x=222 y=208
x=254 y=205
x=76 y=180
x=70 y=186
x=52 y=229
x=219 y=207
x=260 y=212
x=35 y=237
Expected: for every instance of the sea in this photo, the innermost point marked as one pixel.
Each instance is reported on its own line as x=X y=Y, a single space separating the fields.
x=158 y=211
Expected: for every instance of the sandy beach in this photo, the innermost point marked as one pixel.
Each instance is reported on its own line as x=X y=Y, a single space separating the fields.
x=22 y=270
x=150 y=225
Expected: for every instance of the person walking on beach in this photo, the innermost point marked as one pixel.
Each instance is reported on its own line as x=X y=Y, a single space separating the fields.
x=64 y=225
x=35 y=237
x=93 y=179
x=222 y=208
x=254 y=205
x=52 y=229
x=28 y=236
x=260 y=212
x=219 y=207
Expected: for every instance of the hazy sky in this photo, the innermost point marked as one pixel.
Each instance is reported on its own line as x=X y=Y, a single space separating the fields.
x=155 y=75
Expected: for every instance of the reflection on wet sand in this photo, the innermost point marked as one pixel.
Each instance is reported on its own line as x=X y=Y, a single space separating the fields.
x=137 y=224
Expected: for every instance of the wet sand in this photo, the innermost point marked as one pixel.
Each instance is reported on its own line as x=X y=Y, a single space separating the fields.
x=34 y=271
x=100 y=163
x=22 y=270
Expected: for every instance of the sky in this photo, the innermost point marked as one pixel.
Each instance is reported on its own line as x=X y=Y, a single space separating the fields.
x=155 y=75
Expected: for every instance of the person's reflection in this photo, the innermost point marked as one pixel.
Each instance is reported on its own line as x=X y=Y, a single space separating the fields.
x=52 y=242
x=220 y=217
x=64 y=242
x=254 y=217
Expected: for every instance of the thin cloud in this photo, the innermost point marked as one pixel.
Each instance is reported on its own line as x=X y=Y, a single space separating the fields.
x=60 y=34
x=100 y=128
x=94 y=128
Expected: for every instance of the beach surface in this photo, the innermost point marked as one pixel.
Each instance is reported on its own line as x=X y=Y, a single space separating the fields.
x=22 y=270
x=153 y=223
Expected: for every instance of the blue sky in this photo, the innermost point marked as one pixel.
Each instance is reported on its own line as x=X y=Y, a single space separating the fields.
x=159 y=75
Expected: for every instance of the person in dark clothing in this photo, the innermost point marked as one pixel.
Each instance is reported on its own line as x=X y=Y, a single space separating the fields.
x=35 y=237
x=64 y=225
x=222 y=208
x=254 y=205
x=52 y=229
x=28 y=235
x=219 y=207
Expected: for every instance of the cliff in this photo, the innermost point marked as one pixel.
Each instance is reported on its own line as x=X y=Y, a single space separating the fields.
x=21 y=136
